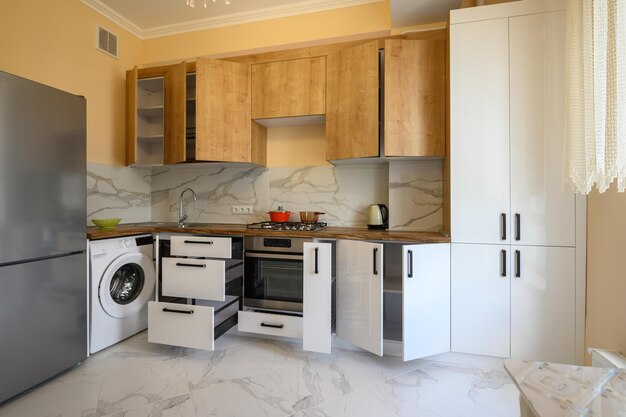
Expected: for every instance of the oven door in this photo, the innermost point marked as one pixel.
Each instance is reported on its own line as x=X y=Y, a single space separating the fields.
x=273 y=281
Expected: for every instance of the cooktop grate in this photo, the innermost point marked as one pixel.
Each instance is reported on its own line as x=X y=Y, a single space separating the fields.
x=298 y=226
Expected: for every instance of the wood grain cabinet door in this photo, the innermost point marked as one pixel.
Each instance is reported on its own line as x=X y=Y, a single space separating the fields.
x=223 y=117
x=289 y=88
x=131 y=116
x=415 y=98
x=352 y=81
x=174 y=115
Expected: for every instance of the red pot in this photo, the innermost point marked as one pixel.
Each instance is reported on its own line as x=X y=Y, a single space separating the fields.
x=279 y=216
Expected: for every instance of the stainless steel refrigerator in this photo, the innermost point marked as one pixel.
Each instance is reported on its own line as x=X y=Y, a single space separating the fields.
x=43 y=262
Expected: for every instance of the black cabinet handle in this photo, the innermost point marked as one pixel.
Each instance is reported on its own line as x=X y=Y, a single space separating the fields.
x=503 y=263
x=503 y=226
x=375 y=268
x=316 y=256
x=518 y=266
x=410 y=264
x=199 y=242
x=191 y=265
x=173 y=310
x=273 y=326
x=518 y=226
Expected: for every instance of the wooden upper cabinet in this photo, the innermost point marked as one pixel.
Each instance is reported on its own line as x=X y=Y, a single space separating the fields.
x=131 y=117
x=155 y=109
x=289 y=88
x=223 y=116
x=174 y=110
x=415 y=98
x=352 y=82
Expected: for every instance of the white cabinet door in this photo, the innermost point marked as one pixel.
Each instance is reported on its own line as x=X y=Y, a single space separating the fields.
x=542 y=210
x=479 y=131
x=317 y=294
x=425 y=300
x=360 y=294
x=543 y=310
x=480 y=296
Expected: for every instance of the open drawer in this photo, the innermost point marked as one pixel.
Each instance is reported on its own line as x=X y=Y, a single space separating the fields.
x=271 y=324
x=194 y=326
x=194 y=278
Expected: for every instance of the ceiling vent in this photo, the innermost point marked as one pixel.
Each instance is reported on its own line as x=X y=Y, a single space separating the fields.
x=107 y=42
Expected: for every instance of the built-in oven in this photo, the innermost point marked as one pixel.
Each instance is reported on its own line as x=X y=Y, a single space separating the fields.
x=273 y=274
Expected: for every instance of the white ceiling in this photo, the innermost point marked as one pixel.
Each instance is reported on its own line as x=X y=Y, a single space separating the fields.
x=153 y=18
x=412 y=12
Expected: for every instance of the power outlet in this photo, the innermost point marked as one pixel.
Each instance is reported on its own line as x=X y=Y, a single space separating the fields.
x=239 y=210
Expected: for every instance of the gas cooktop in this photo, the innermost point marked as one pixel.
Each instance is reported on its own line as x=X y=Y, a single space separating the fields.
x=299 y=226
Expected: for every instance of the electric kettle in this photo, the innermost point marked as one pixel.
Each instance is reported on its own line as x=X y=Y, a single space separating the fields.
x=377 y=216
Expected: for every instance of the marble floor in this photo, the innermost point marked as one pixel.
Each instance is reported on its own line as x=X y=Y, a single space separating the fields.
x=250 y=377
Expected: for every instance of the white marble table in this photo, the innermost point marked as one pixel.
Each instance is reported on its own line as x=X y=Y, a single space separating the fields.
x=555 y=390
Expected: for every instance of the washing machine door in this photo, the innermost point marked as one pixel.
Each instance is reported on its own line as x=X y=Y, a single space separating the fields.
x=127 y=284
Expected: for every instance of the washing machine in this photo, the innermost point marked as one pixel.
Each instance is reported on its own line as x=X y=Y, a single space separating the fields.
x=122 y=281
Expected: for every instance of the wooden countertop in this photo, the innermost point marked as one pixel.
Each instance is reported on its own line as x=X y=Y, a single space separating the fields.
x=351 y=233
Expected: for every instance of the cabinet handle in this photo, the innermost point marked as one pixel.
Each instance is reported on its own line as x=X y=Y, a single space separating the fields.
x=518 y=226
x=375 y=268
x=273 y=326
x=316 y=256
x=503 y=263
x=503 y=226
x=518 y=264
x=173 y=310
x=199 y=242
x=191 y=265
x=410 y=263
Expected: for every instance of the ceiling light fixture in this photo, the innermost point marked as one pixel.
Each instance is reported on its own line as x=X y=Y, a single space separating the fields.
x=192 y=3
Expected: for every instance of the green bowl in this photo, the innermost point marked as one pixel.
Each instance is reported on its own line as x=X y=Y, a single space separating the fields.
x=106 y=224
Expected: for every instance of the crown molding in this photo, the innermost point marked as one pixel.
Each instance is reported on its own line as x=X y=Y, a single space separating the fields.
x=311 y=6
x=114 y=16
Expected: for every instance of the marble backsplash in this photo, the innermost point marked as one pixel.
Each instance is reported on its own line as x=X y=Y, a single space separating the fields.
x=114 y=191
x=411 y=189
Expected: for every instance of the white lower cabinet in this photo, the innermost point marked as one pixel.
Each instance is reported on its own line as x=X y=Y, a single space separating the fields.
x=360 y=294
x=543 y=304
x=315 y=325
x=317 y=297
x=394 y=292
x=514 y=301
x=197 y=298
x=481 y=309
x=187 y=325
x=270 y=324
x=194 y=278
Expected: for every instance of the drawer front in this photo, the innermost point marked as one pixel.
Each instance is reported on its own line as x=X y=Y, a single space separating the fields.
x=201 y=246
x=271 y=324
x=180 y=325
x=193 y=278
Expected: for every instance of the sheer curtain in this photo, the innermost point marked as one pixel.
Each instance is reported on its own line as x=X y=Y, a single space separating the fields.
x=596 y=94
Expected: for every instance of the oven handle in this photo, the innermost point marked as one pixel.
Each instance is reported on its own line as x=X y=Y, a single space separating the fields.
x=274 y=256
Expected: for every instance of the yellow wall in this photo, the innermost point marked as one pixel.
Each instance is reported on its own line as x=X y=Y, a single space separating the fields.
x=606 y=271
x=296 y=146
x=53 y=42
x=293 y=30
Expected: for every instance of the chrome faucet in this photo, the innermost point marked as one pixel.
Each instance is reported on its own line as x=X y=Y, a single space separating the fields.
x=181 y=208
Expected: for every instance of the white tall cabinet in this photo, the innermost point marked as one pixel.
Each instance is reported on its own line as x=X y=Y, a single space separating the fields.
x=517 y=234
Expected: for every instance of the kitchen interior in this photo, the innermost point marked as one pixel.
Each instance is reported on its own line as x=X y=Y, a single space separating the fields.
x=320 y=208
